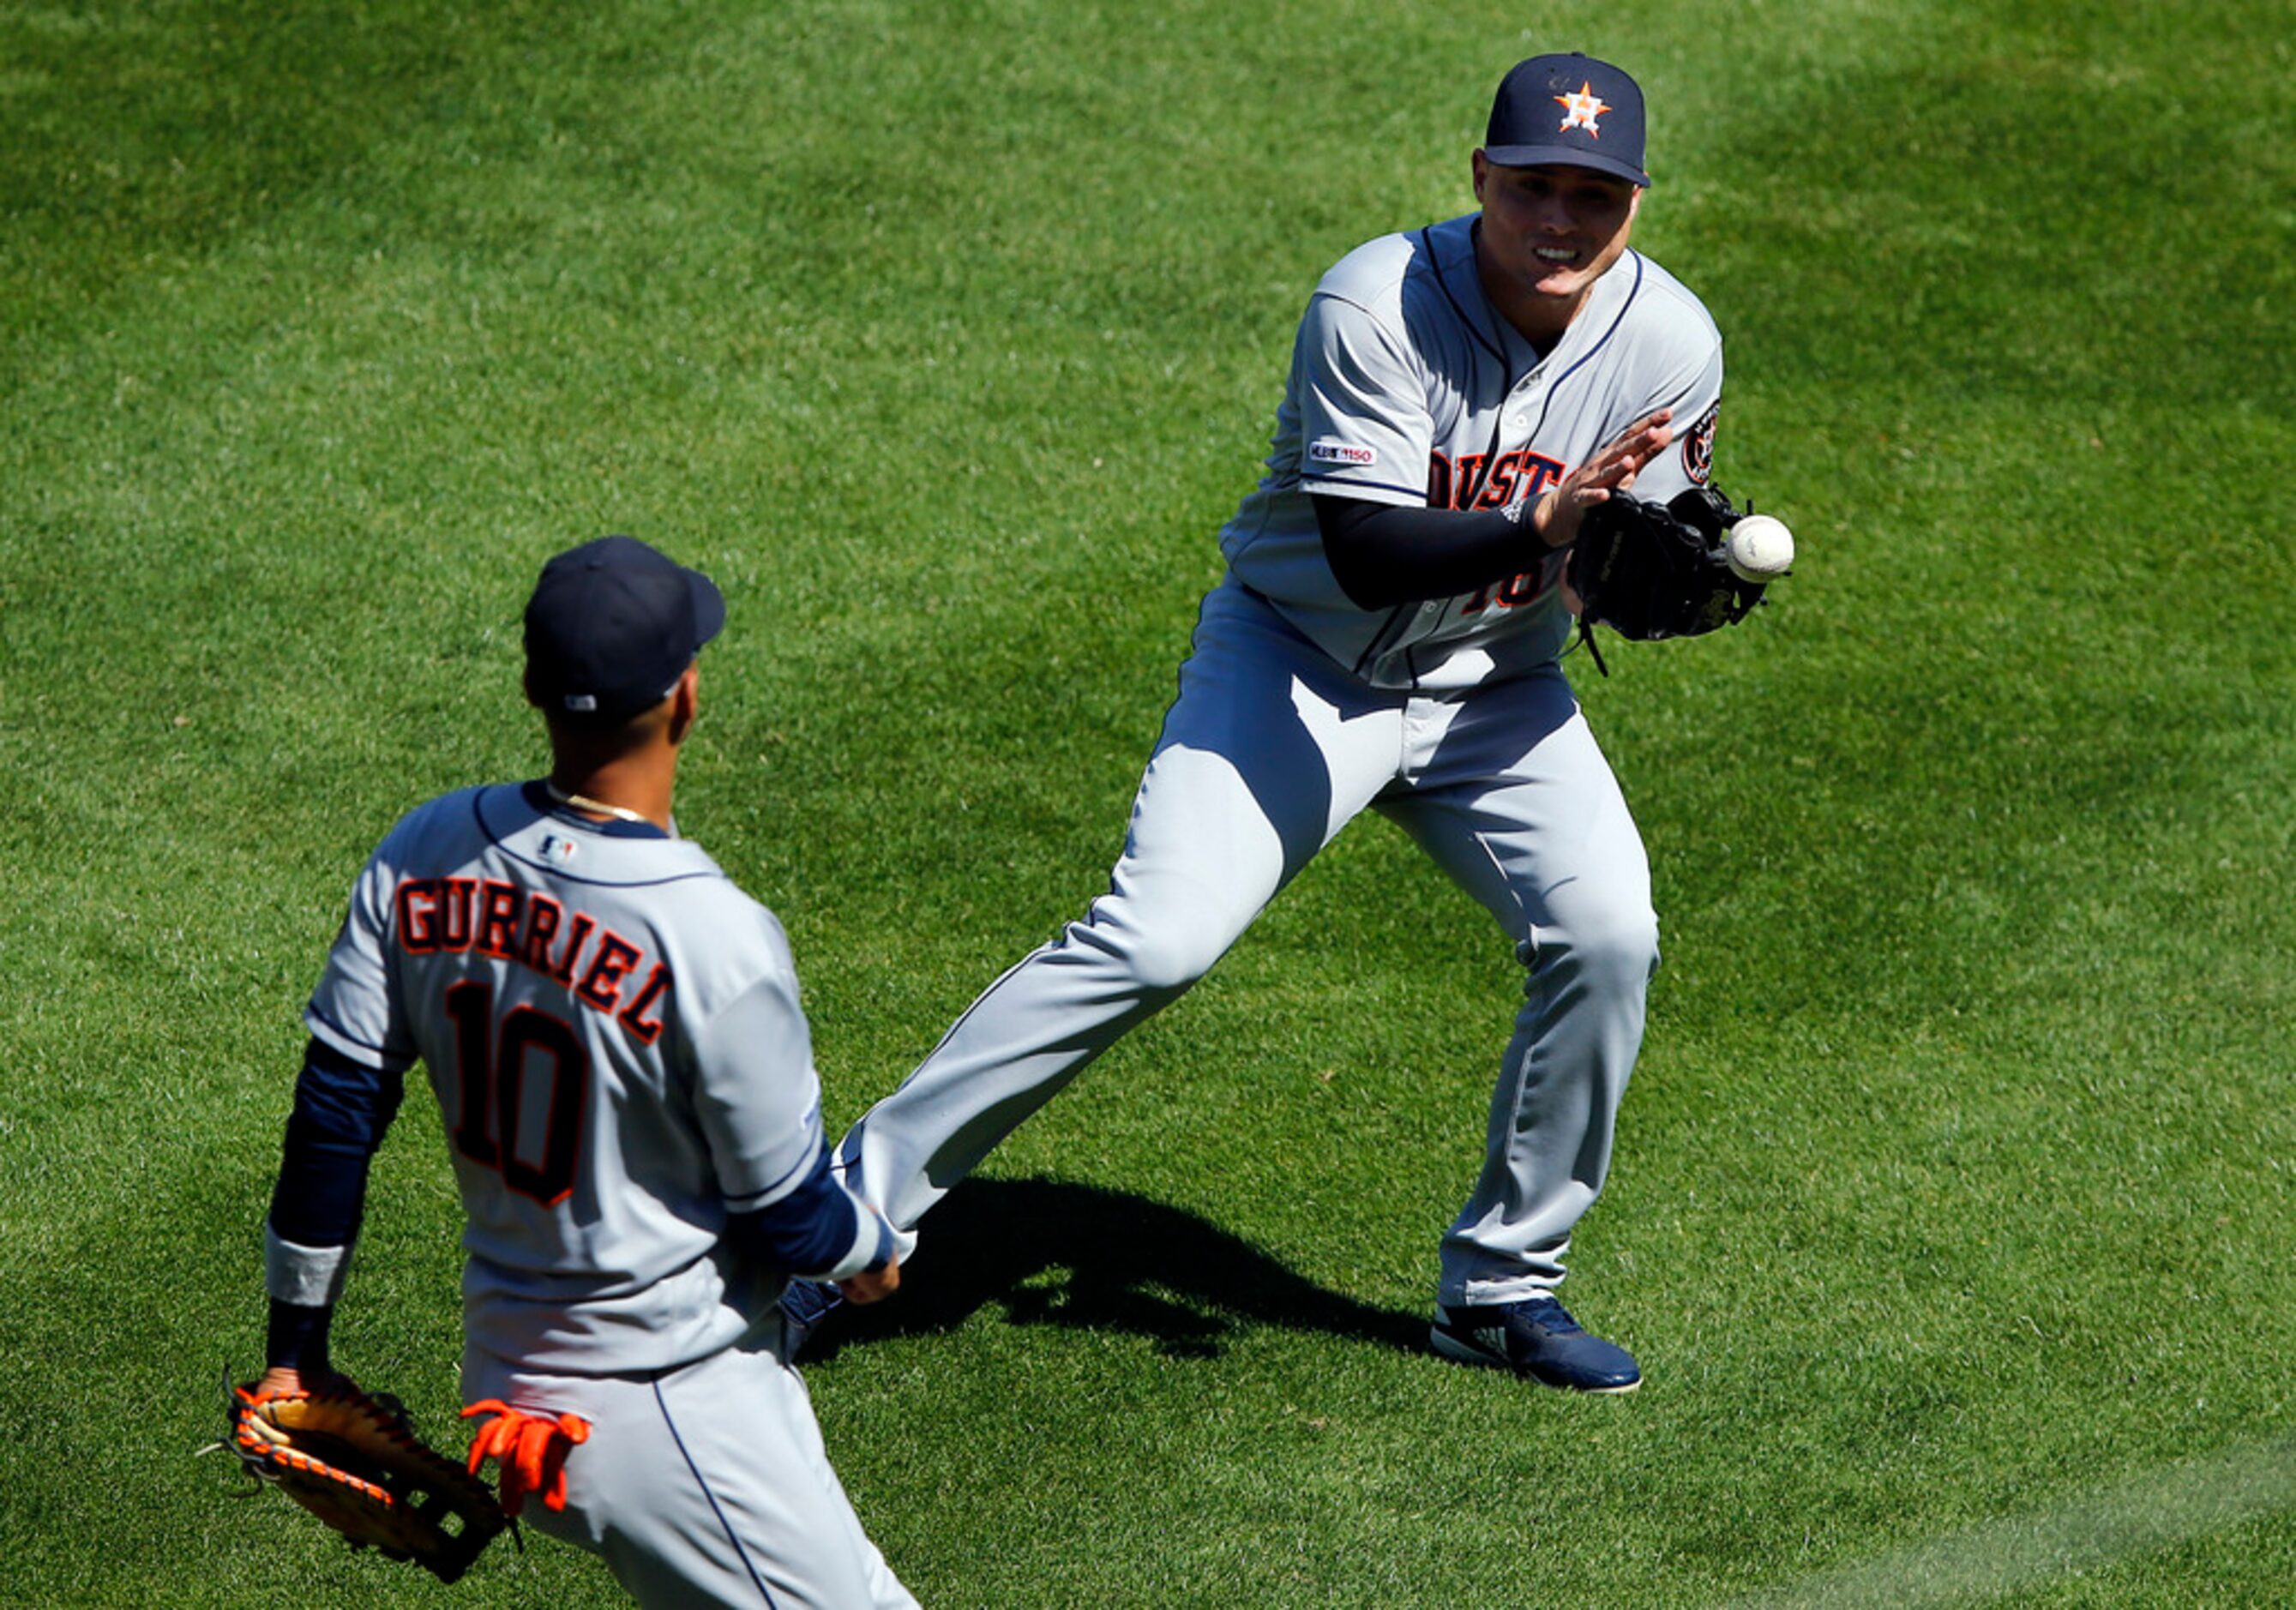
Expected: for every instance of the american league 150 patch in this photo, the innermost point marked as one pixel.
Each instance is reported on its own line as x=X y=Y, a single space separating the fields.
x=1330 y=449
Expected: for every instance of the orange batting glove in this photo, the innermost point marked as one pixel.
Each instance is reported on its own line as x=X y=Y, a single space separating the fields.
x=532 y=1450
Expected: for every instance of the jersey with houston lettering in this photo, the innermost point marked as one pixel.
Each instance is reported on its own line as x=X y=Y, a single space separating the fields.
x=1408 y=388
x=612 y=1031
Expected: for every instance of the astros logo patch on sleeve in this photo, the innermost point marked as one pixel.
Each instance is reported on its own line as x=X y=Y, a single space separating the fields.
x=1698 y=446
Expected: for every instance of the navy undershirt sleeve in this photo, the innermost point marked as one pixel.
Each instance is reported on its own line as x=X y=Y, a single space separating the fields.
x=342 y=1109
x=810 y=1230
x=1383 y=555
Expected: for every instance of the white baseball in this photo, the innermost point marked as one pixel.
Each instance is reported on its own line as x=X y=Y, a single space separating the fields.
x=1761 y=548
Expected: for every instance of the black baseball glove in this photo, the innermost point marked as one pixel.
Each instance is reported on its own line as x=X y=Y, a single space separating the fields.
x=1649 y=571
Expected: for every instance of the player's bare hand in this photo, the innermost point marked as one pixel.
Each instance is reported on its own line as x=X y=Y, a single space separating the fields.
x=1611 y=470
x=874 y=1286
x=280 y=1377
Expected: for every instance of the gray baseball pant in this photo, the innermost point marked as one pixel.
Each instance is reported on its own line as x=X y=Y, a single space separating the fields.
x=1269 y=750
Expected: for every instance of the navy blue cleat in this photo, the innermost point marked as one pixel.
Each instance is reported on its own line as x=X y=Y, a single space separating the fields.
x=805 y=1304
x=1538 y=1339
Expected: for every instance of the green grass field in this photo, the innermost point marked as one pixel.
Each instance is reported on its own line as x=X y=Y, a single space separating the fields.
x=1953 y=1211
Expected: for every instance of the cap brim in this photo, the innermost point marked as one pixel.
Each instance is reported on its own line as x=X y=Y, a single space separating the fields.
x=1564 y=156
x=709 y=607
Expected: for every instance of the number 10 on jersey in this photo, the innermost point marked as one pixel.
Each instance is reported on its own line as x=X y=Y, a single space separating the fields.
x=499 y=1073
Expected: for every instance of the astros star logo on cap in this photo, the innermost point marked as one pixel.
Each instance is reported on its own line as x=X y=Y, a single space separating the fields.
x=1582 y=108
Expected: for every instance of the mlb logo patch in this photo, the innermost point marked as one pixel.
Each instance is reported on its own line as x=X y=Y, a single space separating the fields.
x=1330 y=449
x=557 y=848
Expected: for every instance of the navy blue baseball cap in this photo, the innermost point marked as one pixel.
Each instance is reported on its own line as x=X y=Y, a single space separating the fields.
x=1568 y=111
x=612 y=626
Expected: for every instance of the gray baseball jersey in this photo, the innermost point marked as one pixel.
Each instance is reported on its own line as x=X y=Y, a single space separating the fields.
x=612 y=1031
x=1406 y=387
x=1299 y=709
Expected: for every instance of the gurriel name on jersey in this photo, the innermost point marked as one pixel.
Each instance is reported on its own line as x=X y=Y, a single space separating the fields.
x=490 y=918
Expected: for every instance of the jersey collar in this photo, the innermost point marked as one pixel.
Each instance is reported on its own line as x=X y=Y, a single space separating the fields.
x=1594 y=322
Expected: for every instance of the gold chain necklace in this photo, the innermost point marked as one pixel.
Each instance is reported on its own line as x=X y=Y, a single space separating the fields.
x=582 y=802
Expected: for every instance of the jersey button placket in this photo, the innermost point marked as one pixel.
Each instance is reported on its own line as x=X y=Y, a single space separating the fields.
x=1518 y=403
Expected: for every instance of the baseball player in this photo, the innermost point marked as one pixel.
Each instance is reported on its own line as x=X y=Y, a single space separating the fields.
x=1386 y=636
x=612 y=1031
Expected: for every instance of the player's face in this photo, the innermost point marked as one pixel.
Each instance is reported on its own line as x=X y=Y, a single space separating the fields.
x=1548 y=234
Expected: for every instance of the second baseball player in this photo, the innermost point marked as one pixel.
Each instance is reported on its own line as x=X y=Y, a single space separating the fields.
x=626 y=1078
x=1387 y=636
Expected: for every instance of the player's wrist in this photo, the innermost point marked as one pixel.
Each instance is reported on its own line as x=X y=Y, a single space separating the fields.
x=296 y=1339
x=1536 y=516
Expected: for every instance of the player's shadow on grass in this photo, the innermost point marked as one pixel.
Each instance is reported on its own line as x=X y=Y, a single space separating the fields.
x=1053 y=1253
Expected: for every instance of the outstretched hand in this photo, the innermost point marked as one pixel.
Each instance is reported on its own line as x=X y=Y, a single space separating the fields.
x=1613 y=469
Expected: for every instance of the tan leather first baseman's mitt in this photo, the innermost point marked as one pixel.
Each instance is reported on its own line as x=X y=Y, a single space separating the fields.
x=352 y=1459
